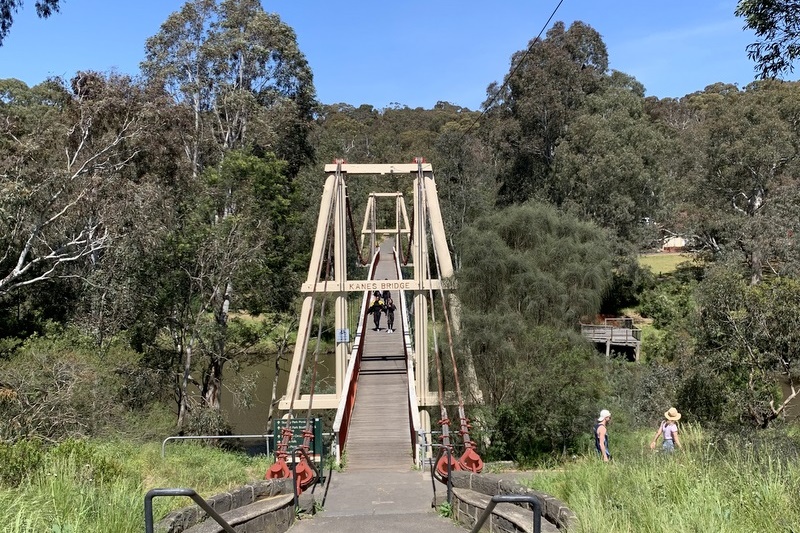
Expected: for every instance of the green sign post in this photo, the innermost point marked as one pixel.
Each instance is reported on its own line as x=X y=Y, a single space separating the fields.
x=298 y=425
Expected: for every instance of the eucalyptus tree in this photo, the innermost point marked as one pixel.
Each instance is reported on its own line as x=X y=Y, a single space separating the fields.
x=777 y=23
x=464 y=177
x=748 y=344
x=743 y=189
x=609 y=166
x=539 y=97
x=66 y=150
x=240 y=73
x=529 y=275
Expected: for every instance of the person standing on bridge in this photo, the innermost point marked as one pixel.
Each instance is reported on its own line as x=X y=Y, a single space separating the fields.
x=375 y=308
x=601 y=435
x=668 y=429
x=390 y=307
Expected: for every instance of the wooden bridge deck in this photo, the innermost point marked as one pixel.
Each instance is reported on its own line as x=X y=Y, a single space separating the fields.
x=379 y=437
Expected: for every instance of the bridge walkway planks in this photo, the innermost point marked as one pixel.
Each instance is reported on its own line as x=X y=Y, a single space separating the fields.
x=379 y=438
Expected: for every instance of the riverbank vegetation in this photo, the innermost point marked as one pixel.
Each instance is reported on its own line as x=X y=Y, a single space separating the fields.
x=155 y=231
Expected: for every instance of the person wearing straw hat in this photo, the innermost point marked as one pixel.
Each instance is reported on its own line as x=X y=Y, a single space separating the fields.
x=668 y=429
x=601 y=435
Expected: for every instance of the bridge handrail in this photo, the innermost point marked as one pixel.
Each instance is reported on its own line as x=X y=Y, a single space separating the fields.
x=148 y=507
x=413 y=402
x=265 y=436
x=511 y=498
x=344 y=410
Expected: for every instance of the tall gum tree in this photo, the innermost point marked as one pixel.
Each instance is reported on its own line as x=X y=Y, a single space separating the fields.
x=608 y=168
x=747 y=169
x=65 y=148
x=250 y=89
x=531 y=111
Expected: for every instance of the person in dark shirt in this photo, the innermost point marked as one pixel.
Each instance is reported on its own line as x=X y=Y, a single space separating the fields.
x=390 y=307
x=601 y=435
x=375 y=308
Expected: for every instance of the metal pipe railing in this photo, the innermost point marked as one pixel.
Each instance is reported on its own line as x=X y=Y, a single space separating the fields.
x=511 y=498
x=148 y=507
x=449 y=473
x=422 y=444
x=266 y=438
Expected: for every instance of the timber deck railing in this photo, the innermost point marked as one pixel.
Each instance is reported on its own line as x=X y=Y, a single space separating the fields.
x=615 y=331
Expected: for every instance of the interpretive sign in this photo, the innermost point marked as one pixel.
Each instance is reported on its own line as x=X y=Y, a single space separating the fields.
x=298 y=425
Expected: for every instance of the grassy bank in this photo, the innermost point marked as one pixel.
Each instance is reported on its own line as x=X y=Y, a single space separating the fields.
x=663 y=262
x=100 y=487
x=740 y=490
x=735 y=488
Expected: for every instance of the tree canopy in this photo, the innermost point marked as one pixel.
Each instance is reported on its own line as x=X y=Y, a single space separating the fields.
x=777 y=24
x=44 y=8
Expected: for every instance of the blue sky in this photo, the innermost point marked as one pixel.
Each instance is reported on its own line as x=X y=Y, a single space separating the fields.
x=409 y=52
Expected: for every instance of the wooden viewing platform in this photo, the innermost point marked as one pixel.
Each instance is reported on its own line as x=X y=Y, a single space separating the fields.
x=614 y=332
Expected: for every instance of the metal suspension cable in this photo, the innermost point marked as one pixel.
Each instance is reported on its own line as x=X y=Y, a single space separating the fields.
x=470 y=460
x=361 y=259
x=280 y=469
x=511 y=74
x=410 y=241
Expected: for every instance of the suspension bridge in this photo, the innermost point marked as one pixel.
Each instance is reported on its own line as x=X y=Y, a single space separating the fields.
x=389 y=396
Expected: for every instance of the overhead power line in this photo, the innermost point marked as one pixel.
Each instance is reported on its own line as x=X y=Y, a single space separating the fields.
x=513 y=71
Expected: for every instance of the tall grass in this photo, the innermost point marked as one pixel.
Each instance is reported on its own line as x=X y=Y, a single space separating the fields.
x=699 y=489
x=100 y=487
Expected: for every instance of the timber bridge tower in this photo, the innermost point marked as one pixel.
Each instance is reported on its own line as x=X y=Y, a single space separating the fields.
x=383 y=394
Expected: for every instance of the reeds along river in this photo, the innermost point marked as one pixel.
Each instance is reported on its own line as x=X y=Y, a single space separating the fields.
x=252 y=420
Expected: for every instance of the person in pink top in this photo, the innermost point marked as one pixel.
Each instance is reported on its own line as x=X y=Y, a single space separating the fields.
x=668 y=429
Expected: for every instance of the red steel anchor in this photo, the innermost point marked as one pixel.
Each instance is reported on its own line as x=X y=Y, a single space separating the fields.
x=304 y=475
x=469 y=460
x=279 y=469
x=444 y=458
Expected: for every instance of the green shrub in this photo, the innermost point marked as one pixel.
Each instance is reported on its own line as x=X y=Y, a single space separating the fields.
x=19 y=460
x=92 y=466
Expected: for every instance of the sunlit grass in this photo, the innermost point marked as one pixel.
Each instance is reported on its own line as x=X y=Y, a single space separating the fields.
x=699 y=489
x=66 y=495
x=663 y=263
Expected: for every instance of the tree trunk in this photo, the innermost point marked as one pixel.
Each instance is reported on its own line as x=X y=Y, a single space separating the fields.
x=212 y=382
x=183 y=400
x=756 y=267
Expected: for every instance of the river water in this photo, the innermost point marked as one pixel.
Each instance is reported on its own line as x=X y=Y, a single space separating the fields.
x=252 y=420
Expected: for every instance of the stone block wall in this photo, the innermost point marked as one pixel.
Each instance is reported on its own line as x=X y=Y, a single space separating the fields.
x=276 y=521
x=553 y=510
